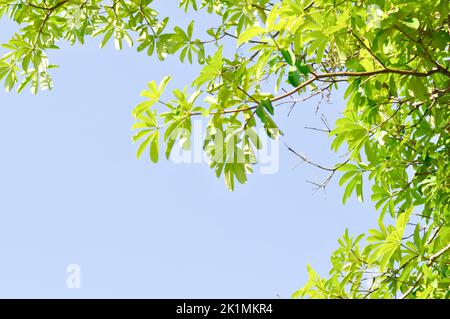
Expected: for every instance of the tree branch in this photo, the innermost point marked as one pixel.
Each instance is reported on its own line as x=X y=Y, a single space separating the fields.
x=431 y=260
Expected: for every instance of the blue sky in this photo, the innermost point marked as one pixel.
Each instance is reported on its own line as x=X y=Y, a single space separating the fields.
x=72 y=192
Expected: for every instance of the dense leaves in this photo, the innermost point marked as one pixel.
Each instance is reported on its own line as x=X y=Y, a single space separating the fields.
x=392 y=58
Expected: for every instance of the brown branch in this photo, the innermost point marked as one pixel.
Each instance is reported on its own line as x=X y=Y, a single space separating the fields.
x=250 y=41
x=47 y=16
x=328 y=75
x=304 y=159
x=431 y=260
x=368 y=49
x=420 y=43
x=354 y=74
x=59 y=4
x=36 y=6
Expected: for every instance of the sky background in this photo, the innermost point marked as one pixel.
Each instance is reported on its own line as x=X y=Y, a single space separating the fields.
x=72 y=192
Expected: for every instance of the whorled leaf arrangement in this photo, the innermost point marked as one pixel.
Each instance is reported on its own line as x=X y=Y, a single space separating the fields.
x=393 y=56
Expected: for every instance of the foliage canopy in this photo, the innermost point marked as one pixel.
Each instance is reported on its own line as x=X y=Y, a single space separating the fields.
x=391 y=56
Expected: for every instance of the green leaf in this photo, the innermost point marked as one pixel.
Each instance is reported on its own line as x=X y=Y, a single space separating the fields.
x=143 y=146
x=260 y=113
x=413 y=24
x=288 y=56
x=303 y=69
x=154 y=148
x=107 y=36
x=239 y=172
x=229 y=177
x=267 y=104
x=250 y=33
x=294 y=78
